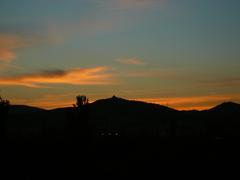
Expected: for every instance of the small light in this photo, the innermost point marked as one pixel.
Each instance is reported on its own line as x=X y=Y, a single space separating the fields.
x=109 y=134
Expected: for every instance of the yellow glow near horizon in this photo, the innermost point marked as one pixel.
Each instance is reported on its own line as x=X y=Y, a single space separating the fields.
x=178 y=103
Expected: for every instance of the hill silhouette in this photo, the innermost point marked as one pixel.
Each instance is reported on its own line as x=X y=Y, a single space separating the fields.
x=131 y=118
x=21 y=109
x=117 y=138
x=225 y=107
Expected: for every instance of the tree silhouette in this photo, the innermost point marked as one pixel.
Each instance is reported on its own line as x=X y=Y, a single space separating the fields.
x=78 y=124
x=81 y=100
x=4 y=104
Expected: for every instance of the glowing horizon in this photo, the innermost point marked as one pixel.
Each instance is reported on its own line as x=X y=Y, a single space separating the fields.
x=178 y=103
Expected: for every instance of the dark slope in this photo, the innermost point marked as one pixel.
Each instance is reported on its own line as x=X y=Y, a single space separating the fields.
x=132 y=116
x=227 y=107
x=22 y=109
x=31 y=123
x=224 y=119
x=123 y=103
x=129 y=118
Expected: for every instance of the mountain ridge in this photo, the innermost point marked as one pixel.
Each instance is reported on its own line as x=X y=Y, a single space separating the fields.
x=127 y=117
x=121 y=101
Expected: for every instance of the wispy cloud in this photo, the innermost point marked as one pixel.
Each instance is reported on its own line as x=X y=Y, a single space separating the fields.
x=78 y=76
x=8 y=44
x=130 y=61
x=104 y=16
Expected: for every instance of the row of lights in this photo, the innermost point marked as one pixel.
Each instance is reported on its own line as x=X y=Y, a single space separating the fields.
x=109 y=134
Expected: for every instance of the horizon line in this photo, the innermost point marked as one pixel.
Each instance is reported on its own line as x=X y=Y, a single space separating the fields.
x=183 y=108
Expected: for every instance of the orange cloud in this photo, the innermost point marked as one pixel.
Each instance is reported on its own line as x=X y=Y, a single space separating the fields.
x=130 y=61
x=190 y=103
x=9 y=43
x=77 y=76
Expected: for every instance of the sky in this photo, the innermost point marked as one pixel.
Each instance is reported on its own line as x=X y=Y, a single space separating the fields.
x=182 y=54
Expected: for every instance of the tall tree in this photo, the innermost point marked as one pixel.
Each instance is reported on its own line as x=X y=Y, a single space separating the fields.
x=4 y=105
x=81 y=100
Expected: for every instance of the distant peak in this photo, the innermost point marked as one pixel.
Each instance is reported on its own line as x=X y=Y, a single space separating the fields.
x=114 y=97
x=227 y=106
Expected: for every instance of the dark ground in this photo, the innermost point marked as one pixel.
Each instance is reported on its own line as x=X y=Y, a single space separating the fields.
x=121 y=158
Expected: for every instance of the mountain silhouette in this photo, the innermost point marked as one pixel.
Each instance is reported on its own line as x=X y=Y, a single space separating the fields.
x=225 y=107
x=21 y=109
x=115 y=137
x=129 y=118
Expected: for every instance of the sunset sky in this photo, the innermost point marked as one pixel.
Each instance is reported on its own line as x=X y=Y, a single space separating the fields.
x=180 y=53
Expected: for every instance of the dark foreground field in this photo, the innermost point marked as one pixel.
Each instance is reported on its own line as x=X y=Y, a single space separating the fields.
x=121 y=158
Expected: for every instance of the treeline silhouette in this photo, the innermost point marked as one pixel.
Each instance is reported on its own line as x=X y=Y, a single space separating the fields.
x=116 y=138
x=4 y=105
